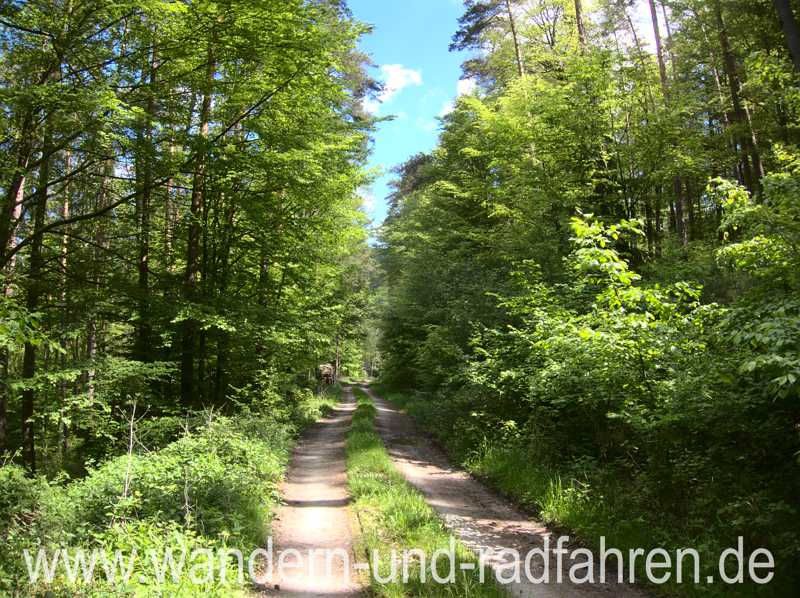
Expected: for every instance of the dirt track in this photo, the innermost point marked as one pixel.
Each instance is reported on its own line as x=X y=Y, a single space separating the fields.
x=479 y=518
x=315 y=514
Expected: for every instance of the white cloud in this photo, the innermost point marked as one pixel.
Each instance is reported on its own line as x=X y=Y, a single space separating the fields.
x=371 y=105
x=447 y=108
x=367 y=200
x=395 y=78
x=466 y=87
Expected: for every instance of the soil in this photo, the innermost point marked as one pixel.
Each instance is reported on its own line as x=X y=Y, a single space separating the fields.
x=314 y=514
x=482 y=520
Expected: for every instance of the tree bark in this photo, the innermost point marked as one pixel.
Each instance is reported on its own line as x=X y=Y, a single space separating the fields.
x=580 y=24
x=790 y=30
x=680 y=218
x=740 y=116
x=670 y=43
x=13 y=202
x=517 y=47
x=193 y=245
x=144 y=170
x=27 y=410
x=3 y=402
x=662 y=66
x=63 y=431
x=680 y=226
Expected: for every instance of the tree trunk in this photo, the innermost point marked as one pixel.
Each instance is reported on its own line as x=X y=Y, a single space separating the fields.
x=144 y=171
x=517 y=47
x=790 y=30
x=670 y=43
x=193 y=245
x=680 y=222
x=662 y=66
x=740 y=116
x=12 y=205
x=169 y=216
x=100 y=244
x=3 y=402
x=337 y=363
x=580 y=24
x=27 y=410
x=63 y=431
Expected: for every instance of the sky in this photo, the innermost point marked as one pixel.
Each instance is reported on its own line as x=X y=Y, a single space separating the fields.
x=421 y=79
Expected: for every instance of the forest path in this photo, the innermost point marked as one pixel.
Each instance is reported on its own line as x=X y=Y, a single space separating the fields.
x=315 y=516
x=482 y=521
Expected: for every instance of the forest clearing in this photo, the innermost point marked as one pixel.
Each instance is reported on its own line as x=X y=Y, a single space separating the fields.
x=455 y=298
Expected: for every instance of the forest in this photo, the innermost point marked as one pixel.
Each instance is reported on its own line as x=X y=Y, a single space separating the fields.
x=592 y=282
x=588 y=293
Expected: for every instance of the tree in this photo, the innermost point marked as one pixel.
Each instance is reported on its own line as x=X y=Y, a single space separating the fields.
x=581 y=27
x=790 y=29
x=247 y=158
x=483 y=17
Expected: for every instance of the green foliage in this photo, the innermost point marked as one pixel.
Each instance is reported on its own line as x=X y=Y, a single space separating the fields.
x=584 y=318
x=213 y=487
x=612 y=396
x=191 y=222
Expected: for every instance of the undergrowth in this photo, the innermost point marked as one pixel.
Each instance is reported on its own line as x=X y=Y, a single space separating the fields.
x=213 y=488
x=578 y=498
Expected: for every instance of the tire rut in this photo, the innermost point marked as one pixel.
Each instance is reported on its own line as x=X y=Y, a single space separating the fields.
x=483 y=521
x=315 y=514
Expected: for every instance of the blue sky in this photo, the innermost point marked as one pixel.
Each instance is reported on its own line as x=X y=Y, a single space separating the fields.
x=409 y=47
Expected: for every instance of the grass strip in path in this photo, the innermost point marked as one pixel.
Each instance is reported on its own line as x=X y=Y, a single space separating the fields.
x=394 y=516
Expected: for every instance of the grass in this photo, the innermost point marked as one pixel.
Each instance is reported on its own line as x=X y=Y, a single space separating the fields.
x=394 y=516
x=585 y=506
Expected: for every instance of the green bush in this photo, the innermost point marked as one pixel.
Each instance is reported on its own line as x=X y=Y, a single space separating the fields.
x=215 y=486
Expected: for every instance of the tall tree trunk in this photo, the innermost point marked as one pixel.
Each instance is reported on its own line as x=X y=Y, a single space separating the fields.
x=740 y=116
x=144 y=171
x=169 y=216
x=35 y=288
x=12 y=206
x=100 y=244
x=517 y=46
x=63 y=431
x=670 y=43
x=580 y=24
x=662 y=66
x=337 y=362
x=9 y=220
x=680 y=217
x=193 y=245
x=223 y=338
x=790 y=30
x=4 y=394
x=677 y=183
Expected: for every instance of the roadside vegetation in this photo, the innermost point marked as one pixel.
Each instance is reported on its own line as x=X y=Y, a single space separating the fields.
x=182 y=254
x=213 y=488
x=592 y=282
x=393 y=516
